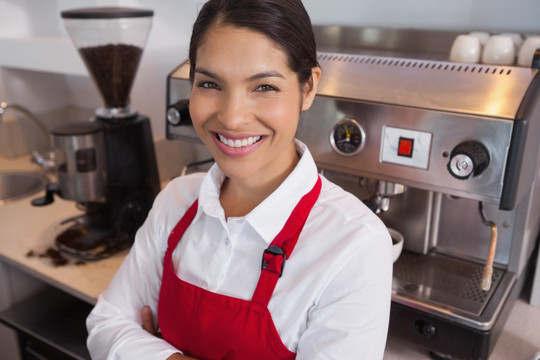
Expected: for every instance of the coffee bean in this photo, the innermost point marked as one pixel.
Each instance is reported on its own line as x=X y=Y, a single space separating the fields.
x=113 y=68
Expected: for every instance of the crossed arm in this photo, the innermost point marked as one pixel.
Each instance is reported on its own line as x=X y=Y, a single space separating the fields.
x=148 y=325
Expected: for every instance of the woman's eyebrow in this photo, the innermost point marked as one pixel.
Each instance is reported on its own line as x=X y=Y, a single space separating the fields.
x=265 y=74
x=206 y=72
x=258 y=76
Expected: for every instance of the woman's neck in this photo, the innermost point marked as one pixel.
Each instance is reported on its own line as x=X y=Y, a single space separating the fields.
x=239 y=196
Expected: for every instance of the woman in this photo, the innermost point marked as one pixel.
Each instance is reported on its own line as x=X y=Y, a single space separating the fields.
x=210 y=258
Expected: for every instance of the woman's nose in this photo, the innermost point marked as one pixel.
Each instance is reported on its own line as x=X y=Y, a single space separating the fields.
x=234 y=111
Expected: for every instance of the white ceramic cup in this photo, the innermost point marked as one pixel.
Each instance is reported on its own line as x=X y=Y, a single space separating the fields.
x=483 y=36
x=516 y=38
x=526 y=51
x=397 y=243
x=466 y=49
x=499 y=50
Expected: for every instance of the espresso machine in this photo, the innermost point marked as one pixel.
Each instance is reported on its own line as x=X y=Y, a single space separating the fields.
x=445 y=153
x=107 y=164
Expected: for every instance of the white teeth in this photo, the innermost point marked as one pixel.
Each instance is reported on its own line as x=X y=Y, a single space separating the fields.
x=238 y=143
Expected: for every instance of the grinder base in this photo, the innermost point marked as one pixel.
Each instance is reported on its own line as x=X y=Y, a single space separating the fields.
x=86 y=242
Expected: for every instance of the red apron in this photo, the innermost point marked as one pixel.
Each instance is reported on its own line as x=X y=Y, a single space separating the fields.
x=210 y=326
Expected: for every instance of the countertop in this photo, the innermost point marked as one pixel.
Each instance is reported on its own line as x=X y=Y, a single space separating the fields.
x=27 y=228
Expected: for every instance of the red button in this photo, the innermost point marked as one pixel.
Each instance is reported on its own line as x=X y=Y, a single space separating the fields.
x=405 y=147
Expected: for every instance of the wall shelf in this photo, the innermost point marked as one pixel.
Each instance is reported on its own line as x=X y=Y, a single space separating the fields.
x=46 y=54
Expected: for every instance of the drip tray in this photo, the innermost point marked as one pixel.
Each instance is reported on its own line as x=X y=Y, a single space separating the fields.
x=450 y=286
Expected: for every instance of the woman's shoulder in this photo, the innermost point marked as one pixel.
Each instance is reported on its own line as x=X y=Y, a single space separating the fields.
x=182 y=189
x=337 y=201
x=190 y=181
x=343 y=235
x=173 y=200
x=346 y=216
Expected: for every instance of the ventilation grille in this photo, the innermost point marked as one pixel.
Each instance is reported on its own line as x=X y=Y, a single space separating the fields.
x=415 y=64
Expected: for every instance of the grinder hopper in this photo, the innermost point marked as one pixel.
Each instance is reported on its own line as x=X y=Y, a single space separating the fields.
x=110 y=41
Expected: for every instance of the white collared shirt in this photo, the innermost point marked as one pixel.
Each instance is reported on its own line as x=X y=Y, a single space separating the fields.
x=332 y=302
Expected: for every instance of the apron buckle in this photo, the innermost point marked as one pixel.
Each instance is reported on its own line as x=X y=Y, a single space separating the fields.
x=273 y=260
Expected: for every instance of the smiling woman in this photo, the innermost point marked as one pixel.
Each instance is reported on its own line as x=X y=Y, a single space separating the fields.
x=244 y=90
x=210 y=258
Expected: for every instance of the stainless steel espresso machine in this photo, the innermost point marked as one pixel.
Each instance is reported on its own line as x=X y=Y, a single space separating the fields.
x=107 y=164
x=446 y=153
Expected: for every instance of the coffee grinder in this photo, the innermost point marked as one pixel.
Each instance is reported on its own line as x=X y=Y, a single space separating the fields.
x=107 y=165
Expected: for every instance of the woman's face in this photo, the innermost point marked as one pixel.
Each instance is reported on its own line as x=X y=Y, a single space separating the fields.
x=246 y=102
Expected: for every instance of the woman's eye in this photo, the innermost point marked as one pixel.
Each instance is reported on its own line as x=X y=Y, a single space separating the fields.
x=208 y=85
x=266 y=87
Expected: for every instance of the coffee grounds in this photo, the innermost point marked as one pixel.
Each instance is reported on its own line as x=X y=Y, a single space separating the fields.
x=57 y=258
x=113 y=68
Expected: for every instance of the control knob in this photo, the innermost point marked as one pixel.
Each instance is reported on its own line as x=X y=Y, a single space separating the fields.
x=425 y=328
x=468 y=159
x=178 y=113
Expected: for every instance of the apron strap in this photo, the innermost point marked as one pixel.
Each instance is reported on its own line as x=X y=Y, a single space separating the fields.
x=273 y=260
x=181 y=226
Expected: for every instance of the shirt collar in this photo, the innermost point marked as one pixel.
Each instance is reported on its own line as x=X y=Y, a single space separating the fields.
x=209 y=193
x=269 y=217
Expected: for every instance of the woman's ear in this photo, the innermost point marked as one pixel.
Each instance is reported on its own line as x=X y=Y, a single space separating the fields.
x=310 y=88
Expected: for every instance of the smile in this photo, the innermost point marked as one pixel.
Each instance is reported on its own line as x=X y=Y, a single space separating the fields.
x=238 y=143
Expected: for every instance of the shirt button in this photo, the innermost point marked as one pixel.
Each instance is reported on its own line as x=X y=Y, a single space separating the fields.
x=227 y=241
x=240 y=221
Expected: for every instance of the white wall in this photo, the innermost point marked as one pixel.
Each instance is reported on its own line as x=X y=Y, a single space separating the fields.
x=169 y=37
x=492 y=15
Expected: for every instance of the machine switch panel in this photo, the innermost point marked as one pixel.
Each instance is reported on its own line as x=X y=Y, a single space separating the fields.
x=405 y=147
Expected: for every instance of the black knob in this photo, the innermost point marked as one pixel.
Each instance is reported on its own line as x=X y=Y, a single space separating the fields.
x=468 y=159
x=425 y=328
x=178 y=113
x=429 y=330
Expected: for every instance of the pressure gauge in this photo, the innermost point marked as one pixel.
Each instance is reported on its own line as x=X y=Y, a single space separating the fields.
x=347 y=137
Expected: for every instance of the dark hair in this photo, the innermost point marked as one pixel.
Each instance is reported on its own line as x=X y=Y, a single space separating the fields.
x=286 y=22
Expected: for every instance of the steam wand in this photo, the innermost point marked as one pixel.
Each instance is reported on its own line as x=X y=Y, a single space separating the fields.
x=488 y=268
x=385 y=190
